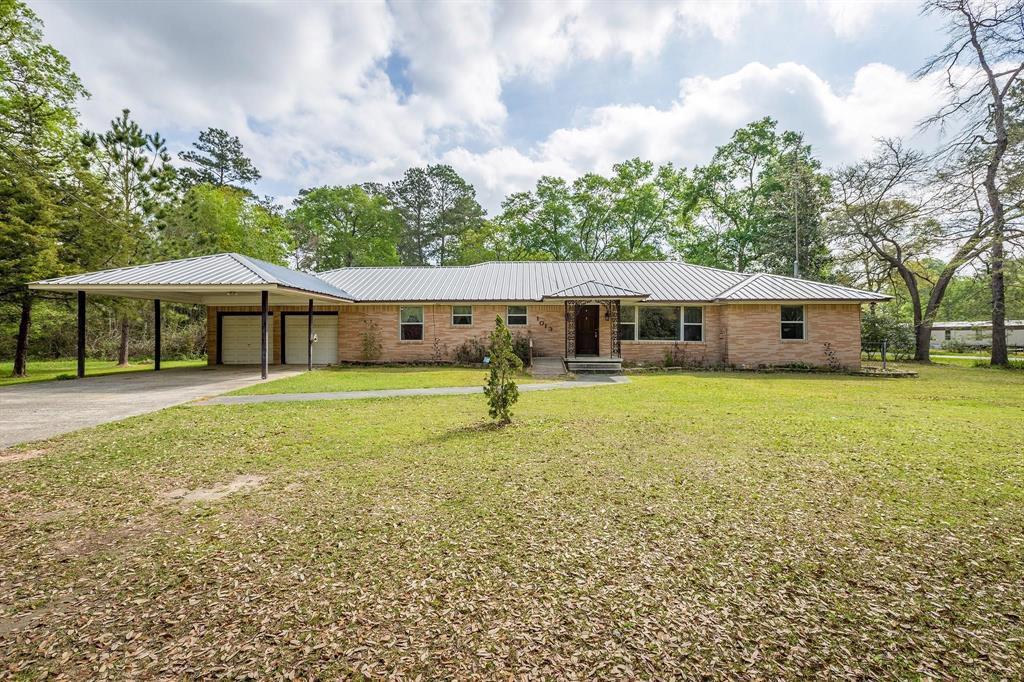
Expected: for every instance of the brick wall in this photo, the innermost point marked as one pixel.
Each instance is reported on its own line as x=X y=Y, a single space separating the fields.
x=743 y=335
x=753 y=335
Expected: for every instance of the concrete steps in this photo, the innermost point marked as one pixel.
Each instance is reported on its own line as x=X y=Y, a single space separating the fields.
x=609 y=366
x=547 y=367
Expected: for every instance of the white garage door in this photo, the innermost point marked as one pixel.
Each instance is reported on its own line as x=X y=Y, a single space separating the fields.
x=240 y=340
x=325 y=350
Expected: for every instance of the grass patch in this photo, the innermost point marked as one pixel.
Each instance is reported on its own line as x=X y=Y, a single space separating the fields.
x=49 y=370
x=1015 y=363
x=330 y=379
x=683 y=525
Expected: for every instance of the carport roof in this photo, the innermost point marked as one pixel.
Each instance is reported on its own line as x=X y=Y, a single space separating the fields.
x=217 y=273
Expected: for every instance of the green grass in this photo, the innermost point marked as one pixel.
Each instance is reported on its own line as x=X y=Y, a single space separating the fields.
x=374 y=378
x=48 y=370
x=682 y=525
x=1015 y=363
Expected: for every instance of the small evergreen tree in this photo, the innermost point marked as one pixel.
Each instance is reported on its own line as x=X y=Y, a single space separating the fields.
x=501 y=390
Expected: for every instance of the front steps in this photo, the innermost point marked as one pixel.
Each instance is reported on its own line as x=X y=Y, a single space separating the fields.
x=547 y=367
x=594 y=365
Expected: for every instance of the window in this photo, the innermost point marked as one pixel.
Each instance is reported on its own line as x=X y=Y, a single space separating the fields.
x=949 y=335
x=792 y=322
x=462 y=315
x=658 y=323
x=411 y=323
x=515 y=315
x=627 y=323
x=693 y=324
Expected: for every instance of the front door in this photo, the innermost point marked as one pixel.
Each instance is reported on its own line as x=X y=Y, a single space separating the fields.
x=586 y=330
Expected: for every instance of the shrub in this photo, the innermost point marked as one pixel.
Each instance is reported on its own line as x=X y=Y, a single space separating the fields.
x=501 y=390
x=471 y=351
x=371 y=347
x=955 y=346
x=881 y=325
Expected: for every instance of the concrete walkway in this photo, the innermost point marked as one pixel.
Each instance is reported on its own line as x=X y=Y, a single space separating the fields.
x=586 y=382
x=35 y=411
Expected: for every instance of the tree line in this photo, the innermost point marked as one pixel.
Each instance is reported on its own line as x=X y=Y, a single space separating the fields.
x=912 y=222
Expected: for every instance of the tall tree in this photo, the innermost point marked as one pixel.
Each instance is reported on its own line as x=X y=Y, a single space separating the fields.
x=337 y=227
x=436 y=207
x=896 y=210
x=217 y=159
x=38 y=123
x=136 y=167
x=981 y=64
x=211 y=219
x=749 y=194
x=649 y=206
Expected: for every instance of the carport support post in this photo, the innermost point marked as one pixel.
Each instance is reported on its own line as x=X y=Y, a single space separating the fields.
x=264 y=340
x=309 y=337
x=81 y=334
x=156 y=334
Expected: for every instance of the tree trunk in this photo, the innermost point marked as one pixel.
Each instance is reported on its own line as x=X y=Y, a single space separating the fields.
x=122 y=349
x=999 y=352
x=922 y=341
x=21 y=349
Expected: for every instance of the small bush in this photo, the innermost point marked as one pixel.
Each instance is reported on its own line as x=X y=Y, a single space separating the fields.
x=955 y=346
x=885 y=325
x=472 y=350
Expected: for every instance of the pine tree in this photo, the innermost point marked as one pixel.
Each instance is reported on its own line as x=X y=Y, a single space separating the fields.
x=501 y=390
x=217 y=159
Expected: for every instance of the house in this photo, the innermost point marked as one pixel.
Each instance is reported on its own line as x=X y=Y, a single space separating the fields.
x=594 y=312
x=975 y=334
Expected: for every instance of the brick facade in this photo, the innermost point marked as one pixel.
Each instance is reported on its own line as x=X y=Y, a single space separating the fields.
x=735 y=334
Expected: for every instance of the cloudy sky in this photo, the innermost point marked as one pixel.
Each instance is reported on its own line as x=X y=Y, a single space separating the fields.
x=326 y=93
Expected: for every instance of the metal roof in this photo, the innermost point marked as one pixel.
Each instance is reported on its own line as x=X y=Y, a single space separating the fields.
x=979 y=324
x=595 y=290
x=222 y=269
x=669 y=281
x=535 y=280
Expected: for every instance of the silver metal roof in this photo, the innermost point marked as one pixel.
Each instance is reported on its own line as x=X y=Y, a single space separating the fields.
x=595 y=290
x=669 y=281
x=978 y=324
x=222 y=269
x=535 y=280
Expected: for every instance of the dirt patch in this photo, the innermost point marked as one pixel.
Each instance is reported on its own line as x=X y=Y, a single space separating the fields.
x=238 y=484
x=11 y=457
x=33 y=617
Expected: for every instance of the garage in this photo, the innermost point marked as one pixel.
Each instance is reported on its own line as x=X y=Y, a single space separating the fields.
x=325 y=329
x=239 y=339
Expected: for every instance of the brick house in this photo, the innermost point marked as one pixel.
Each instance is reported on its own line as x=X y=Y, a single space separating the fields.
x=593 y=312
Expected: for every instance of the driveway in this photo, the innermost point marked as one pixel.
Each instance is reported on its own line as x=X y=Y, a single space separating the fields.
x=36 y=411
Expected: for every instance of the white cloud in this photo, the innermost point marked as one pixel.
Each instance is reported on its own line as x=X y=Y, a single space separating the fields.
x=841 y=125
x=849 y=18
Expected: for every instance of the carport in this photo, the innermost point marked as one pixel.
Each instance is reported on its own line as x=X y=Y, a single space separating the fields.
x=224 y=279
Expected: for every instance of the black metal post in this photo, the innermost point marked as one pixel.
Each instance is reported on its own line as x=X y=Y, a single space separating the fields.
x=156 y=334
x=264 y=338
x=81 y=334
x=309 y=337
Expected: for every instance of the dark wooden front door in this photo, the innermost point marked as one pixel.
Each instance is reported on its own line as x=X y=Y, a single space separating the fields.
x=587 y=330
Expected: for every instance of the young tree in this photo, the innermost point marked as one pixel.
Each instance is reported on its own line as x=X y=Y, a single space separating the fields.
x=337 y=227
x=38 y=123
x=217 y=159
x=501 y=390
x=136 y=167
x=895 y=210
x=981 y=64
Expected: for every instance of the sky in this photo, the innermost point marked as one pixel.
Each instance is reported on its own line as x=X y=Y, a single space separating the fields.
x=338 y=93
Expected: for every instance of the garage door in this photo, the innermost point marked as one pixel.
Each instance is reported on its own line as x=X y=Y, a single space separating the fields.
x=240 y=340
x=325 y=350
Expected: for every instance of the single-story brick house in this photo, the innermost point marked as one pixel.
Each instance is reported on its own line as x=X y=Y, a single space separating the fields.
x=605 y=311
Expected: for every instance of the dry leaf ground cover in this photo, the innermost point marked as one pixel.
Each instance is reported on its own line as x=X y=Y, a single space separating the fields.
x=732 y=525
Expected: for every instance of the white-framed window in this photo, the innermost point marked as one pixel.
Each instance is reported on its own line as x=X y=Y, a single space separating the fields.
x=627 y=323
x=462 y=315
x=411 y=323
x=515 y=315
x=693 y=323
x=658 y=323
x=792 y=319
x=948 y=335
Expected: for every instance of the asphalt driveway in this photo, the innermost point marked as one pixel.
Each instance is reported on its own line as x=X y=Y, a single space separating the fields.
x=36 y=411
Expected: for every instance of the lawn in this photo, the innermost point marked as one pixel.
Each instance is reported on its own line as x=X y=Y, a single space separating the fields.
x=47 y=370
x=1015 y=362
x=331 y=379
x=705 y=524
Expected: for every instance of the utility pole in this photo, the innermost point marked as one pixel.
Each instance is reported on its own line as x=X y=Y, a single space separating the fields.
x=796 y=217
